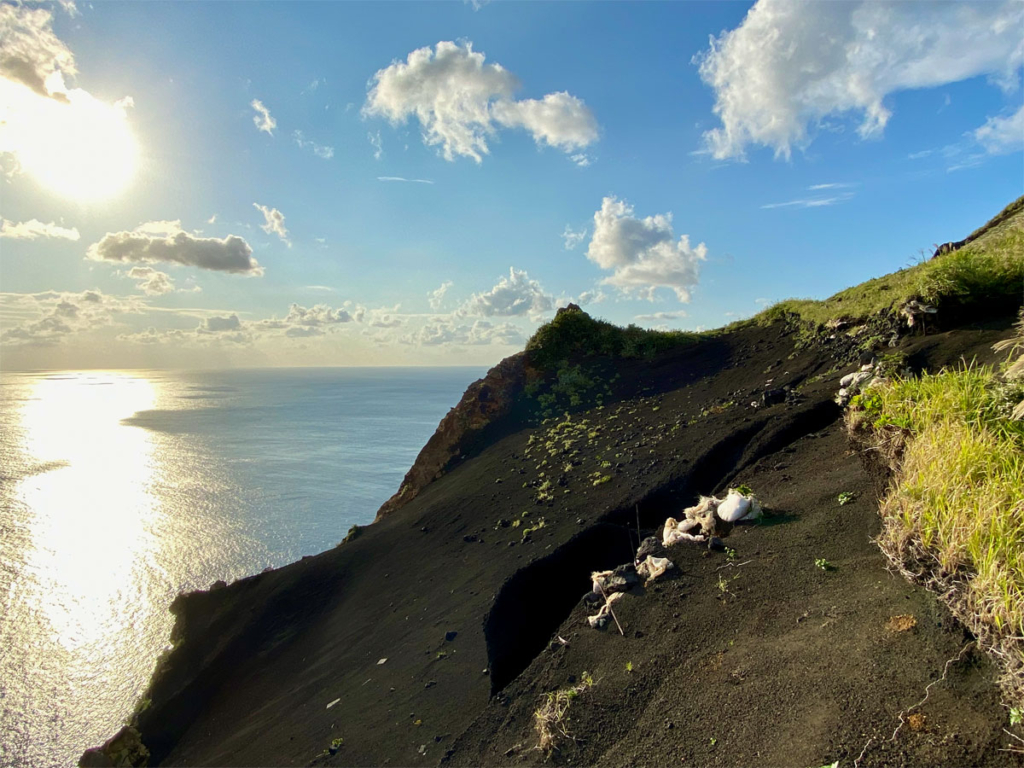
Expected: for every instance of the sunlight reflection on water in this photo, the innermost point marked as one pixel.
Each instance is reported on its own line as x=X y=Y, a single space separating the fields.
x=119 y=490
x=91 y=558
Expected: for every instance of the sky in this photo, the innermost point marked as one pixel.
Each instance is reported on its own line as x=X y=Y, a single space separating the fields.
x=211 y=184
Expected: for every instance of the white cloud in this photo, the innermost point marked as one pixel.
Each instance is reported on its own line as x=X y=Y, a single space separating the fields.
x=831 y=185
x=230 y=254
x=810 y=202
x=660 y=317
x=150 y=281
x=572 y=238
x=447 y=331
x=321 y=151
x=263 y=120
x=459 y=101
x=514 y=295
x=581 y=160
x=212 y=219
x=273 y=222
x=70 y=141
x=789 y=65
x=400 y=178
x=33 y=228
x=378 y=144
x=52 y=317
x=436 y=297
x=31 y=54
x=1002 y=135
x=643 y=253
x=558 y=120
x=162 y=228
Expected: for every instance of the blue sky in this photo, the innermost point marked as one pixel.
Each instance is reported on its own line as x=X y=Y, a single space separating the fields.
x=708 y=157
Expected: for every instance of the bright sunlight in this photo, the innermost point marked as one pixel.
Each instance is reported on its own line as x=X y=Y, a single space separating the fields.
x=72 y=143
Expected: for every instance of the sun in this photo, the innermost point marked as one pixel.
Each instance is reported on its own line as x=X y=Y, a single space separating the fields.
x=72 y=143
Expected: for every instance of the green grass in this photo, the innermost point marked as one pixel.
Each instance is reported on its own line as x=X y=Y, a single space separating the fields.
x=991 y=267
x=573 y=335
x=954 y=515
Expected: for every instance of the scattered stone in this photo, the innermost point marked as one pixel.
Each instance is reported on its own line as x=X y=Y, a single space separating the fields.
x=601 y=618
x=331 y=704
x=469 y=539
x=450 y=635
x=219 y=584
x=430 y=684
x=653 y=568
x=381 y=661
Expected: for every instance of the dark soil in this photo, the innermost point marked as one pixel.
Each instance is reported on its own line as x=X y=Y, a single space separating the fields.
x=752 y=656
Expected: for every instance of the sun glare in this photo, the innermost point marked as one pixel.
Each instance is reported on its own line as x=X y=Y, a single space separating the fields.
x=77 y=146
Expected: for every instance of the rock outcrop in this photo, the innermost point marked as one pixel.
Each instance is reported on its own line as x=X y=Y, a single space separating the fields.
x=484 y=402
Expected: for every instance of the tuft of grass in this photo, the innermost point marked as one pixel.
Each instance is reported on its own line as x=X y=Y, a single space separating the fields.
x=551 y=718
x=954 y=515
x=846 y=497
x=824 y=564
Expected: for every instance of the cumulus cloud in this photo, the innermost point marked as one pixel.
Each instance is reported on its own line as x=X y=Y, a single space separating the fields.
x=161 y=242
x=321 y=151
x=273 y=221
x=436 y=296
x=31 y=54
x=460 y=101
x=151 y=281
x=789 y=65
x=263 y=120
x=1002 y=135
x=571 y=238
x=52 y=317
x=581 y=159
x=33 y=228
x=643 y=253
x=448 y=331
x=515 y=295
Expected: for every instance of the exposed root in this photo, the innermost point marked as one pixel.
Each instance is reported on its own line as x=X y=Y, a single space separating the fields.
x=856 y=763
x=928 y=688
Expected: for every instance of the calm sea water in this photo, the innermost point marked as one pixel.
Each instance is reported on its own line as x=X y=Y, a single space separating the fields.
x=119 y=490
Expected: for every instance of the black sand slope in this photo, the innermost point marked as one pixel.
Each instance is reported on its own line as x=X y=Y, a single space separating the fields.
x=431 y=637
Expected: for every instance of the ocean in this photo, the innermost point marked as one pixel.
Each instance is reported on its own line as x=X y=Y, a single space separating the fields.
x=121 y=489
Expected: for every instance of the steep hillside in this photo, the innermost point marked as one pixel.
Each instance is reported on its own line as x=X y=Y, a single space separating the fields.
x=438 y=633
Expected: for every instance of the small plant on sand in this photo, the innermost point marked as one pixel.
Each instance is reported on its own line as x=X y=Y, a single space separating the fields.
x=746 y=490
x=846 y=497
x=551 y=718
x=629 y=666
x=824 y=564
x=1016 y=715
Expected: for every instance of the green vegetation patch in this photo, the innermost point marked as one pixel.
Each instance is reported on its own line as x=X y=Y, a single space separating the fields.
x=954 y=514
x=575 y=334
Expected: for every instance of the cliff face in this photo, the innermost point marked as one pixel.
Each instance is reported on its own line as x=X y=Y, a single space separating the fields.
x=484 y=402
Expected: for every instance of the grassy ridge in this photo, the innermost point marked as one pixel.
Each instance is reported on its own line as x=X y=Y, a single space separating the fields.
x=989 y=268
x=954 y=514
